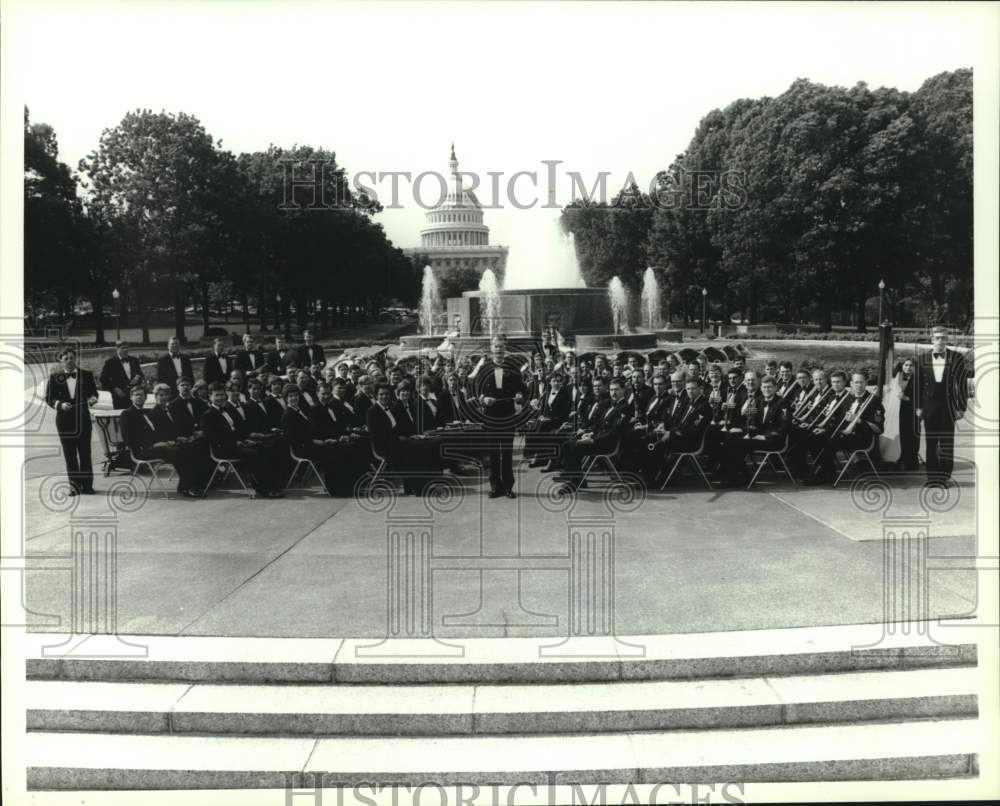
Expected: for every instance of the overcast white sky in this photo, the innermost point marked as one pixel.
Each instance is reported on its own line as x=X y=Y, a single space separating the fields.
x=601 y=87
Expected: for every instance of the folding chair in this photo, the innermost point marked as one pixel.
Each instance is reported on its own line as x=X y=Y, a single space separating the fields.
x=607 y=459
x=154 y=466
x=866 y=453
x=693 y=456
x=767 y=459
x=310 y=465
x=227 y=466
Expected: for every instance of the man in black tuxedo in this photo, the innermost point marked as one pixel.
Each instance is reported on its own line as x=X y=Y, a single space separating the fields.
x=495 y=385
x=763 y=426
x=249 y=359
x=173 y=365
x=861 y=417
x=71 y=392
x=604 y=434
x=280 y=358
x=224 y=435
x=363 y=400
x=553 y=409
x=186 y=409
x=942 y=395
x=310 y=353
x=119 y=372
x=218 y=364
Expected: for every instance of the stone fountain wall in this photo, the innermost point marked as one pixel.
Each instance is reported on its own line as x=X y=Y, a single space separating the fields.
x=570 y=310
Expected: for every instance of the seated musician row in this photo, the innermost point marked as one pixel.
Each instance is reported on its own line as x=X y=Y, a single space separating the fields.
x=727 y=425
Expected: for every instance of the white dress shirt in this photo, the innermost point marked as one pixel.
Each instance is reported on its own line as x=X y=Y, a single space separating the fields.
x=177 y=364
x=127 y=367
x=498 y=377
x=938 y=362
x=71 y=385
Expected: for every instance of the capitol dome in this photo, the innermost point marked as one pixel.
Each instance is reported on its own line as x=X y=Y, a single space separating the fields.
x=454 y=236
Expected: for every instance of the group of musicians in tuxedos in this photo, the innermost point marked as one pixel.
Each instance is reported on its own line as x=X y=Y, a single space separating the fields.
x=270 y=411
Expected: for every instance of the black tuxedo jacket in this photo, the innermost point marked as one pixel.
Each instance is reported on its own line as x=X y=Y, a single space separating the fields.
x=166 y=372
x=113 y=377
x=611 y=425
x=655 y=410
x=381 y=430
x=239 y=414
x=455 y=406
x=328 y=422
x=221 y=436
x=76 y=420
x=280 y=361
x=592 y=412
x=311 y=355
x=187 y=413
x=138 y=430
x=213 y=371
x=167 y=426
x=560 y=407
x=258 y=416
x=501 y=415
x=361 y=405
x=435 y=409
x=407 y=423
x=673 y=409
x=276 y=410
x=298 y=429
x=243 y=361
x=770 y=421
x=941 y=402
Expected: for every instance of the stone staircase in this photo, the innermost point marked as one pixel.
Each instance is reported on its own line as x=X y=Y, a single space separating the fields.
x=755 y=706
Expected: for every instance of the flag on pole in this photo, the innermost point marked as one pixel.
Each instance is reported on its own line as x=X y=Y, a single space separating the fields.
x=888 y=389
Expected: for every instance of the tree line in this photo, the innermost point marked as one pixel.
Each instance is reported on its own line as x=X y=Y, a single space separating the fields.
x=793 y=208
x=165 y=215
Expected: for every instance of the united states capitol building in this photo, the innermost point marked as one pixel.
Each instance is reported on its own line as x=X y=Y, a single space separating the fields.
x=454 y=238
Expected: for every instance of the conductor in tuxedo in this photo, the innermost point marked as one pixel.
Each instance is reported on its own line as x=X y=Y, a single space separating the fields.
x=496 y=384
x=119 y=372
x=173 y=366
x=71 y=392
x=941 y=399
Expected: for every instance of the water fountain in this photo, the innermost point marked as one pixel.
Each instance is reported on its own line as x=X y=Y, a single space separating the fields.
x=544 y=257
x=490 y=295
x=430 y=302
x=618 y=299
x=650 y=301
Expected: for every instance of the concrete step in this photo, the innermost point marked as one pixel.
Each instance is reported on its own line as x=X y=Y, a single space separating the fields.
x=750 y=653
x=437 y=710
x=880 y=751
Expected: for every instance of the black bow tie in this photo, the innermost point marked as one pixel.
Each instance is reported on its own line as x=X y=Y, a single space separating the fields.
x=939 y=355
x=71 y=374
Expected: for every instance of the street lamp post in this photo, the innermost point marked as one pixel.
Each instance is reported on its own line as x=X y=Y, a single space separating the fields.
x=881 y=291
x=117 y=297
x=704 y=307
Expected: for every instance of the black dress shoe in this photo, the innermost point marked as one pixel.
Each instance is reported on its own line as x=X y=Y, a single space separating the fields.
x=495 y=493
x=72 y=491
x=274 y=494
x=510 y=494
x=192 y=493
x=89 y=491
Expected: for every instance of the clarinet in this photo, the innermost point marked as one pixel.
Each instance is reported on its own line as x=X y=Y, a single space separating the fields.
x=751 y=414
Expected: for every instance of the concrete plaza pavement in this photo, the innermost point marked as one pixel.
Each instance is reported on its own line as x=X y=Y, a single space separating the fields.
x=685 y=560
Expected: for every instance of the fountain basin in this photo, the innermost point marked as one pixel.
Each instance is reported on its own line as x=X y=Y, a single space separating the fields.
x=531 y=311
